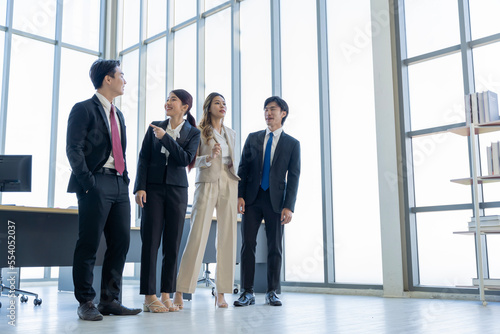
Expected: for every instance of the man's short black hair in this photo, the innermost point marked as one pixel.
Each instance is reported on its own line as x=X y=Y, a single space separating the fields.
x=100 y=68
x=281 y=103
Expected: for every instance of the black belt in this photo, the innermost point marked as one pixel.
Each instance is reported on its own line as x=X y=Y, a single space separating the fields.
x=109 y=171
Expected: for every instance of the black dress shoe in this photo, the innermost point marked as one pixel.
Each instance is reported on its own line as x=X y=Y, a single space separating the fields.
x=246 y=298
x=116 y=308
x=272 y=299
x=88 y=311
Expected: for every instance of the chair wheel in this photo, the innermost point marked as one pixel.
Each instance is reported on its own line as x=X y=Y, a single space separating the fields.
x=213 y=292
x=37 y=301
x=24 y=299
x=235 y=291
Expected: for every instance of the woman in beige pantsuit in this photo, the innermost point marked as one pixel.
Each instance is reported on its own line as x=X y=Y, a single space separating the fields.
x=216 y=187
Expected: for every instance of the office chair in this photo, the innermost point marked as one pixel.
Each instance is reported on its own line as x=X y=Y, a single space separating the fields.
x=210 y=282
x=24 y=298
x=207 y=280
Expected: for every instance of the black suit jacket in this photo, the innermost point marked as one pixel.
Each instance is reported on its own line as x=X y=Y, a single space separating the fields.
x=283 y=175
x=151 y=166
x=88 y=143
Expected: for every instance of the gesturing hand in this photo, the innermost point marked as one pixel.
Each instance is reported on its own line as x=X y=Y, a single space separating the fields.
x=215 y=152
x=159 y=132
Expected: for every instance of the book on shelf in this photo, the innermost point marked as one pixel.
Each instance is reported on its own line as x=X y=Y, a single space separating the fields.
x=481 y=107
x=495 y=158
x=486 y=218
x=491 y=106
x=491 y=223
x=485 y=221
x=474 y=109
x=489 y=160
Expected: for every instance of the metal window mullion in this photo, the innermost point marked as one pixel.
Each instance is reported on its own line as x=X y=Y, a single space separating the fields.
x=484 y=41
x=128 y=50
x=142 y=66
x=141 y=91
x=200 y=59
x=80 y=49
x=216 y=9
x=236 y=74
x=412 y=272
x=184 y=24
x=276 y=48
x=5 y=77
x=33 y=36
x=115 y=27
x=154 y=38
x=474 y=142
x=169 y=40
x=56 y=84
x=325 y=135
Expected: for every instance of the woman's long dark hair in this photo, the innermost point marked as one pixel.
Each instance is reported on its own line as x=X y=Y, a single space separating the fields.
x=187 y=99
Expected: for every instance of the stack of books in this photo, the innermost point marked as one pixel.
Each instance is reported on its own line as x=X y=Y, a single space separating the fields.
x=481 y=107
x=493 y=158
x=485 y=221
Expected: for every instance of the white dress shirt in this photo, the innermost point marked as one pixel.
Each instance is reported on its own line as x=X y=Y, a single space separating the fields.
x=276 y=138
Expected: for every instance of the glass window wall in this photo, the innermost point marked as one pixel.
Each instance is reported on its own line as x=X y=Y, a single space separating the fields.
x=358 y=257
x=35 y=17
x=218 y=58
x=30 y=107
x=300 y=91
x=81 y=21
x=434 y=95
x=75 y=86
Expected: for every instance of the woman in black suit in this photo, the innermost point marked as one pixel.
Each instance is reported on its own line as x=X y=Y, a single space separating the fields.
x=168 y=147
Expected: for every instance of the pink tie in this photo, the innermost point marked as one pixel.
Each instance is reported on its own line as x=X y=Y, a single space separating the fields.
x=117 y=145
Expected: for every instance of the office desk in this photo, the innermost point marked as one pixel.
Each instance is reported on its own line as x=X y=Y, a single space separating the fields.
x=46 y=237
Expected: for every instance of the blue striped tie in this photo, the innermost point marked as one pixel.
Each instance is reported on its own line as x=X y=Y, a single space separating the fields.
x=267 y=163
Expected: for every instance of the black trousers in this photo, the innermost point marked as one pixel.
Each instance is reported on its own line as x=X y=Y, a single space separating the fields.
x=163 y=215
x=105 y=208
x=250 y=224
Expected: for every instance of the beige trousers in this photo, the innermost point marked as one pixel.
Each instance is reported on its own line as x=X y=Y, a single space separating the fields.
x=221 y=195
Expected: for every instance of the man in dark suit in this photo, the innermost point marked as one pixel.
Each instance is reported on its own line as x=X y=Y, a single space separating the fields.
x=269 y=170
x=95 y=146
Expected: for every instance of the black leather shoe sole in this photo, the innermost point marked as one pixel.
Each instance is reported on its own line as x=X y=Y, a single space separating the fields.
x=95 y=317
x=274 y=302
x=120 y=312
x=250 y=302
x=117 y=309
x=90 y=315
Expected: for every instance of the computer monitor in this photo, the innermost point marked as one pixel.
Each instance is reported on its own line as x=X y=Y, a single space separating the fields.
x=15 y=173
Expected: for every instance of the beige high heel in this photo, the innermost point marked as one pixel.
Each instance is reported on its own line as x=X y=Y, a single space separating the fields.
x=221 y=305
x=155 y=307
x=180 y=305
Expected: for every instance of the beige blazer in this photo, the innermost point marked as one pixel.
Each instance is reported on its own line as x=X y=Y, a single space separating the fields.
x=212 y=173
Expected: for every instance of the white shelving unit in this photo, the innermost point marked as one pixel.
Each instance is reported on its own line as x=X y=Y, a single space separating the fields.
x=475 y=181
